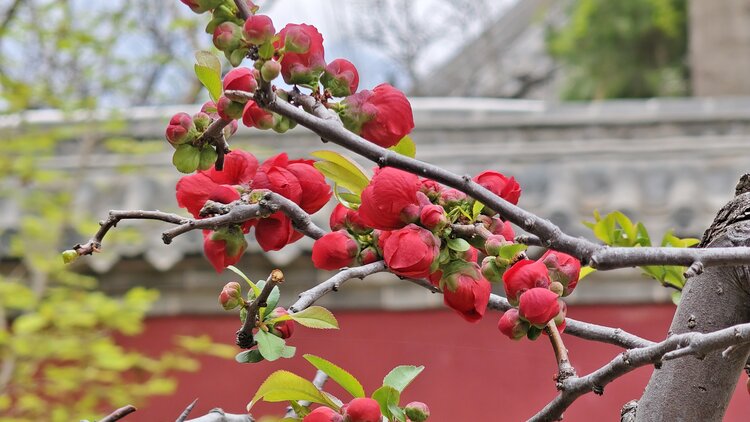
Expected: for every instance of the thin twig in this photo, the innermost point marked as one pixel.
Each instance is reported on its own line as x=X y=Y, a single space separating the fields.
x=186 y=412
x=119 y=414
x=245 y=333
x=565 y=369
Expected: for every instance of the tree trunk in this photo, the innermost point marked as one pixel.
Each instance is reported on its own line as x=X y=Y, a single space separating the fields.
x=693 y=389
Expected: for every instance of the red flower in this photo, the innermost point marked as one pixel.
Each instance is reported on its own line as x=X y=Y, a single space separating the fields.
x=497 y=183
x=382 y=116
x=563 y=268
x=258 y=29
x=411 y=251
x=345 y=218
x=538 y=306
x=466 y=291
x=180 y=129
x=304 y=59
x=335 y=250
x=384 y=200
x=323 y=414
x=280 y=175
x=194 y=190
x=340 y=78
x=433 y=217
x=511 y=325
x=254 y=116
x=362 y=409
x=224 y=247
x=240 y=79
x=524 y=275
x=430 y=188
x=283 y=329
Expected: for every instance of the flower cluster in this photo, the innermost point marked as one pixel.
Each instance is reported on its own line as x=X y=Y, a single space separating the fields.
x=407 y=221
x=296 y=180
x=536 y=288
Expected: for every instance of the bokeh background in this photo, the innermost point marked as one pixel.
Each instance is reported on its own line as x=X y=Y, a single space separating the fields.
x=640 y=106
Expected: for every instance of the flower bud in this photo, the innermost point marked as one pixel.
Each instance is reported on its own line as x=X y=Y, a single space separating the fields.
x=494 y=243
x=369 y=255
x=563 y=268
x=560 y=318
x=297 y=39
x=340 y=78
x=227 y=36
x=209 y=107
x=500 y=227
x=181 y=129
x=254 y=116
x=556 y=288
x=228 y=109
x=538 y=306
x=230 y=296
x=465 y=290
x=411 y=251
x=335 y=250
x=363 y=409
x=512 y=326
x=240 y=79
x=69 y=256
x=452 y=197
x=522 y=276
x=201 y=6
x=491 y=270
x=433 y=217
x=201 y=121
x=417 y=411
x=323 y=414
x=270 y=70
x=258 y=29
x=283 y=329
x=230 y=129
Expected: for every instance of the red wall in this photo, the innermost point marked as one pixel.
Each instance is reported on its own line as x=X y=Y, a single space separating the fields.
x=472 y=372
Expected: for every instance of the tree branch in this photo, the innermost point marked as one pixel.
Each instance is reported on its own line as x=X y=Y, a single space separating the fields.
x=119 y=414
x=680 y=345
x=245 y=333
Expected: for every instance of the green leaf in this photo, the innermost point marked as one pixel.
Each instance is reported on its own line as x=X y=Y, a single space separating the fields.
x=239 y=272
x=186 y=158
x=286 y=386
x=405 y=147
x=476 y=209
x=641 y=235
x=350 y=198
x=266 y=50
x=288 y=352
x=337 y=374
x=604 y=229
x=341 y=176
x=210 y=79
x=249 y=356
x=359 y=176
x=401 y=376
x=388 y=398
x=458 y=245
x=209 y=60
x=627 y=226
x=316 y=317
x=270 y=346
x=584 y=272
x=341 y=198
x=510 y=251
x=273 y=300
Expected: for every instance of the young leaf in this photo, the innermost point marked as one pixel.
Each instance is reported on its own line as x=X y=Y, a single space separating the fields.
x=210 y=79
x=273 y=300
x=388 y=398
x=405 y=147
x=209 y=60
x=316 y=317
x=288 y=352
x=346 y=163
x=286 y=386
x=510 y=251
x=270 y=346
x=584 y=272
x=458 y=245
x=341 y=176
x=237 y=271
x=401 y=376
x=476 y=209
x=249 y=356
x=337 y=374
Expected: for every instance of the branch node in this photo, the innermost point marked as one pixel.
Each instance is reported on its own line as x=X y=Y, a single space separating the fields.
x=694 y=269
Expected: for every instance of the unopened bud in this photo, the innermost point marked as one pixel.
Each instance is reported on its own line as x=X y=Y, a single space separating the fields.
x=69 y=256
x=417 y=411
x=556 y=288
x=270 y=70
x=230 y=296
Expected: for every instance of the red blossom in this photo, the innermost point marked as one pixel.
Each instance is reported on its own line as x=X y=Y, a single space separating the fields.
x=340 y=78
x=224 y=247
x=180 y=129
x=433 y=217
x=258 y=29
x=345 y=218
x=384 y=200
x=466 y=291
x=411 y=251
x=511 y=325
x=500 y=185
x=563 y=268
x=335 y=250
x=283 y=329
x=363 y=409
x=524 y=275
x=304 y=59
x=538 y=306
x=382 y=116
x=323 y=414
x=240 y=79
x=255 y=116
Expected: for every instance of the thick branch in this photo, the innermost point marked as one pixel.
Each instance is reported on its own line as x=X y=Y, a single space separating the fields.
x=679 y=345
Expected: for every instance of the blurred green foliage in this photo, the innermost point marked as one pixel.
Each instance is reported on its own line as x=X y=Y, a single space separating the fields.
x=623 y=49
x=59 y=356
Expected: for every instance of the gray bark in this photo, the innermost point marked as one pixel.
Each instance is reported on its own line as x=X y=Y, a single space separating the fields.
x=692 y=389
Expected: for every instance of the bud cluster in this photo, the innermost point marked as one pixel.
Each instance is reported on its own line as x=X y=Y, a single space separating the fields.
x=365 y=409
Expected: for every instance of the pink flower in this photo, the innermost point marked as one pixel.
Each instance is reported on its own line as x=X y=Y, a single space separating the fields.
x=194 y=190
x=511 y=325
x=340 y=78
x=497 y=183
x=303 y=61
x=522 y=276
x=180 y=129
x=335 y=250
x=466 y=291
x=323 y=414
x=563 y=268
x=363 y=409
x=255 y=116
x=384 y=200
x=258 y=29
x=433 y=217
x=538 y=306
x=382 y=116
x=240 y=79
x=228 y=109
x=411 y=251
